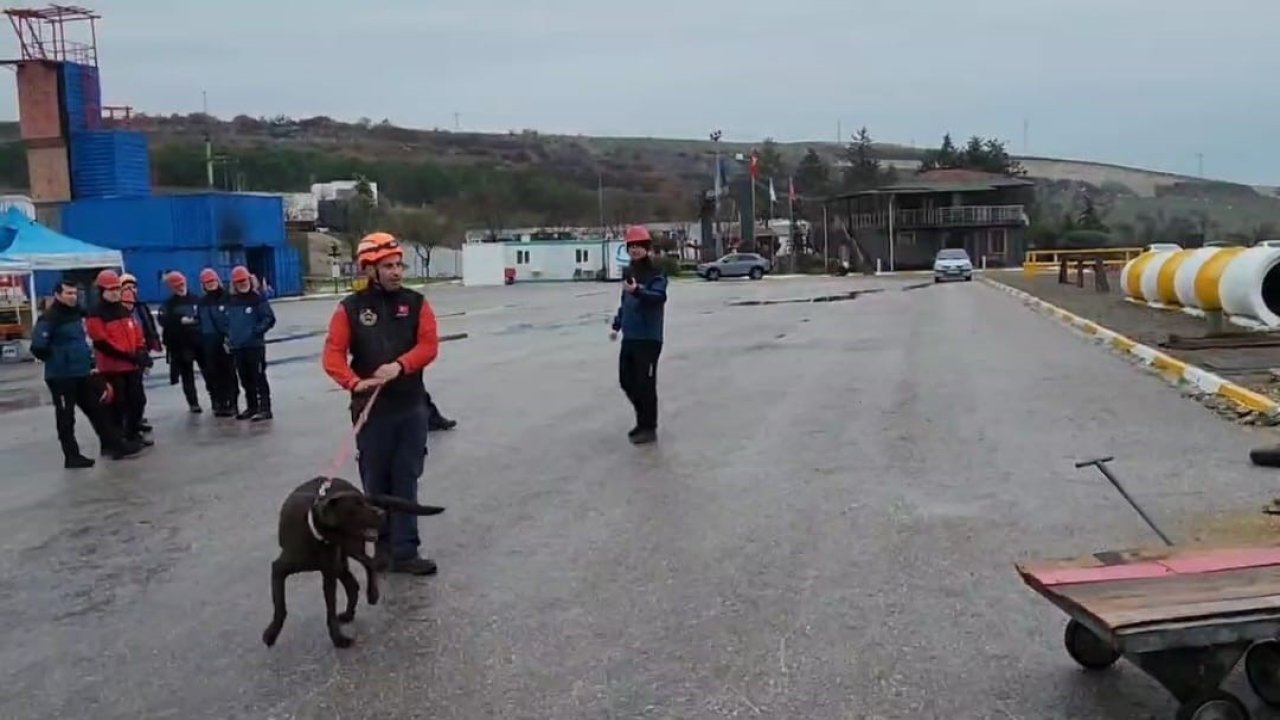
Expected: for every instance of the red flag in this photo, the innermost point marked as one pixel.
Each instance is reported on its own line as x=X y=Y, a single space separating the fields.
x=755 y=165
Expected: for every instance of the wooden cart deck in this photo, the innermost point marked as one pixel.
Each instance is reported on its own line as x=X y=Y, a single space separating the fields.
x=1146 y=600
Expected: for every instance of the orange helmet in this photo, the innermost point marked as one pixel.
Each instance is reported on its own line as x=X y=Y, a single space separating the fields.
x=209 y=275
x=637 y=234
x=108 y=280
x=240 y=273
x=376 y=247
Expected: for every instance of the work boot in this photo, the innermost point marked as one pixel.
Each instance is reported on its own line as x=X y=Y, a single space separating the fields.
x=246 y=414
x=414 y=566
x=141 y=441
x=77 y=462
x=195 y=408
x=126 y=450
x=644 y=437
x=263 y=413
x=145 y=426
x=441 y=422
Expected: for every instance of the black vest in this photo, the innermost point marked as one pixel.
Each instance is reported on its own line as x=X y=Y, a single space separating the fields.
x=384 y=326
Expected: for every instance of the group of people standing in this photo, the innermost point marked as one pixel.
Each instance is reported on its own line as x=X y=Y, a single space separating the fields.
x=96 y=358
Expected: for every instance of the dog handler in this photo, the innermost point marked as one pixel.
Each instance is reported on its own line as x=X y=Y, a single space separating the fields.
x=640 y=319
x=390 y=336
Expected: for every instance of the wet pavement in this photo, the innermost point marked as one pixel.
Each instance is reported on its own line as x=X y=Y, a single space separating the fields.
x=826 y=528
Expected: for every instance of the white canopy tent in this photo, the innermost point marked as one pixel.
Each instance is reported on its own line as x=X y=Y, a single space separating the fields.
x=37 y=248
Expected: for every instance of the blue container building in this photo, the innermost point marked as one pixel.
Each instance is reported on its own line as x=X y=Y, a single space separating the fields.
x=188 y=233
x=107 y=163
x=81 y=92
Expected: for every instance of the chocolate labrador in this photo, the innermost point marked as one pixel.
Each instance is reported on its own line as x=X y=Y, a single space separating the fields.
x=322 y=523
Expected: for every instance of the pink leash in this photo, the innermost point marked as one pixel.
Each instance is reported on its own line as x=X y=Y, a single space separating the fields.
x=344 y=453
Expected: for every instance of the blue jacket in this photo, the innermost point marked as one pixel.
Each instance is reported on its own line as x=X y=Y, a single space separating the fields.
x=640 y=314
x=212 y=313
x=61 y=343
x=248 y=318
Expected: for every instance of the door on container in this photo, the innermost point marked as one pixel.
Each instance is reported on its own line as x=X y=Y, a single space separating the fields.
x=261 y=262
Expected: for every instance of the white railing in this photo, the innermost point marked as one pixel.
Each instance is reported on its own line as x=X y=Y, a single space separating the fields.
x=944 y=217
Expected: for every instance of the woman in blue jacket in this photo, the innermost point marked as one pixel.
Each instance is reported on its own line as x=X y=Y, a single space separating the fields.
x=248 y=319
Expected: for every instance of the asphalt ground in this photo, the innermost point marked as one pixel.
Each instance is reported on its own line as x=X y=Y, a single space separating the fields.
x=826 y=529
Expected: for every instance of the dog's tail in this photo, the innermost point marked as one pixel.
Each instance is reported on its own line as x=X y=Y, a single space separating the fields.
x=386 y=502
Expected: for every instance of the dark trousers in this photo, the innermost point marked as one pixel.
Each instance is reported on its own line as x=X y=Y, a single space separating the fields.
x=638 y=375
x=251 y=366
x=183 y=360
x=220 y=375
x=391 y=461
x=130 y=400
x=83 y=393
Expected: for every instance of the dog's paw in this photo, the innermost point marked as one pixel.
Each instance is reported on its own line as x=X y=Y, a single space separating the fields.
x=270 y=634
x=340 y=640
x=347 y=616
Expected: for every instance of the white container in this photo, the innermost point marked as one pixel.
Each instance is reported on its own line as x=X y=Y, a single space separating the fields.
x=1250 y=286
x=301 y=207
x=1185 y=280
x=1149 y=288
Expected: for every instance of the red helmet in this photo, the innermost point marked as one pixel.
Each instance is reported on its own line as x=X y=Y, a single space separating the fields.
x=108 y=280
x=240 y=273
x=209 y=275
x=177 y=279
x=637 y=234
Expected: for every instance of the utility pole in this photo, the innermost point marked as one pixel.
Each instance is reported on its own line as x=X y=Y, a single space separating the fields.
x=719 y=231
x=1200 y=164
x=600 y=197
x=457 y=121
x=839 y=132
x=1026 y=134
x=208 y=138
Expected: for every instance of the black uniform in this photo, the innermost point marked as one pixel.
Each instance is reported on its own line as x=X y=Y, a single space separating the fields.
x=180 y=331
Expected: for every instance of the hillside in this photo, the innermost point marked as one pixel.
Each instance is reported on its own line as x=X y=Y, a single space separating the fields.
x=526 y=177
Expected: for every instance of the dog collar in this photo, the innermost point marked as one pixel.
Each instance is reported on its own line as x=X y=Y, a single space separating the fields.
x=311 y=525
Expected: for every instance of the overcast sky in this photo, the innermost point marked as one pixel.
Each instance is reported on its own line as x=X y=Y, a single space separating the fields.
x=1140 y=82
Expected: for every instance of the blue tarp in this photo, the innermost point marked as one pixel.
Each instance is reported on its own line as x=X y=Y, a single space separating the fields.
x=25 y=241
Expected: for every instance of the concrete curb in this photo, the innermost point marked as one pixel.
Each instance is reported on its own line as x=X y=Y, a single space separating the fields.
x=1168 y=366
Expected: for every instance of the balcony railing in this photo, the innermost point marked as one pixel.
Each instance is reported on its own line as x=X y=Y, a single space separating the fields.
x=964 y=216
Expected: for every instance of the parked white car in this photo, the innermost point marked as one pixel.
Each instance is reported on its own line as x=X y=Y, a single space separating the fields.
x=1161 y=247
x=952 y=264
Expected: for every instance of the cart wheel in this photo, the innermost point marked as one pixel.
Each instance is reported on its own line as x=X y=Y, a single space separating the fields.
x=1086 y=648
x=1262 y=667
x=1216 y=705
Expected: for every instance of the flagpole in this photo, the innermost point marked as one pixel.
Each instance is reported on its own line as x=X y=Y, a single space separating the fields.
x=791 y=222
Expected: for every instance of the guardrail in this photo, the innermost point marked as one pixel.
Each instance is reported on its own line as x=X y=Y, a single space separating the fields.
x=1048 y=261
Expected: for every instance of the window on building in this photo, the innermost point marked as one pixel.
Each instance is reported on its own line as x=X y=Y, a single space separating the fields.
x=522 y=257
x=997 y=240
x=582 y=255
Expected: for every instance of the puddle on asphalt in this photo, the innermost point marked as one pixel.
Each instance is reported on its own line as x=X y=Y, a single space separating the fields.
x=841 y=297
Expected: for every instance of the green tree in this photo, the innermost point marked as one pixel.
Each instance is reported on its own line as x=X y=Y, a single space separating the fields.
x=862 y=170
x=813 y=176
x=771 y=163
x=987 y=155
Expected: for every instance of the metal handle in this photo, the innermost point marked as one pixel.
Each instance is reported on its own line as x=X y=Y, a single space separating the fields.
x=1101 y=464
x=1099 y=461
